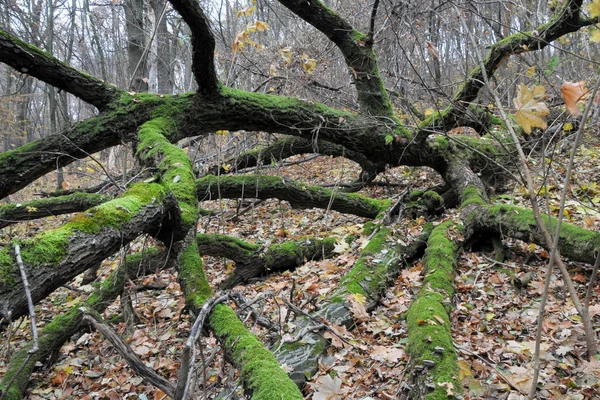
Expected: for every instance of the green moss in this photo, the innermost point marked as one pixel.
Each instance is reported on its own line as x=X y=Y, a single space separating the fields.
x=217 y=239
x=367 y=271
x=260 y=371
x=427 y=318
x=471 y=196
x=177 y=174
x=573 y=242
x=436 y=117
x=281 y=103
x=442 y=142
x=192 y=277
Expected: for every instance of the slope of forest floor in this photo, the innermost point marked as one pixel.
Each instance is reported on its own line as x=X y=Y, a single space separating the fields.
x=494 y=317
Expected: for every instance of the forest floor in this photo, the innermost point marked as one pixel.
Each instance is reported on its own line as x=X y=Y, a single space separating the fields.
x=493 y=319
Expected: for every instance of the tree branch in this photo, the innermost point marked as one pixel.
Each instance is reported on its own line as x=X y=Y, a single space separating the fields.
x=14 y=213
x=567 y=20
x=299 y=195
x=203 y=44
x=359 y=56
x=28 y=59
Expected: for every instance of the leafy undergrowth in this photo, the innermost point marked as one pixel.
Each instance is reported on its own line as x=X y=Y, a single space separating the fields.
x=494 y=316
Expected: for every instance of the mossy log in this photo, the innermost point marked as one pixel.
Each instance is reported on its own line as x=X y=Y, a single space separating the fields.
x=575 y=243
x=253 y=260
x=433 y=369
x=284 y=148
x=63 y=326
x=261 y=374
x=54 y=257
x=296 y=193
x=76 y=202
x=378 y=264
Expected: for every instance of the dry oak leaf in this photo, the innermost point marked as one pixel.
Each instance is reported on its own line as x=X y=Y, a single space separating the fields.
x=328 y=388
x=530 y=109
x=572 y=93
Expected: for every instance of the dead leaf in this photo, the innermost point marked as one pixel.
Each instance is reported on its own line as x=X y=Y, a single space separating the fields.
x=327 y=388
x=386 y=354
x=530 y=109
x=572 y=93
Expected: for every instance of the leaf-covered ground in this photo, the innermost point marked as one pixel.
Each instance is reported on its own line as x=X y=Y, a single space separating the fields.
x=494 y=317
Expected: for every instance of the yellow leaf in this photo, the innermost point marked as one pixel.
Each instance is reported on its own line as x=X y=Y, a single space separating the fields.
x=222 y=132
x=594 y=8
x=273 y=70
x=595 y=36
x=261 y=26
x=309 y=65
x=428 y=112
x=226 y=167
x=530 y=109
x=531 y=71
x=31 y=209
x=359 y=298
x=286 y=54
x=568 y=126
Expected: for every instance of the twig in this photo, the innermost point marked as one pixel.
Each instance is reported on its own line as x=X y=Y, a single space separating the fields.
x=186 y=370
x=491 y=365
x=34 y=333
x=127 y=353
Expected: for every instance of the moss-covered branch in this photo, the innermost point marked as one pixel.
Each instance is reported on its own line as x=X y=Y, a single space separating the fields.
x=566 y=20
x=287 y=147
x=54 y=257
x=358 y=54
x=378 y=263
x=575 y=243
x=28 y=59
x=296 y=193
x=62 y=327
x=15 y=213
x=433 y=367
x=252 y=260
x=260 y=371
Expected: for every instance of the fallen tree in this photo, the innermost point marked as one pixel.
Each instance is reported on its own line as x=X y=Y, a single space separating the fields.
x=164 y=201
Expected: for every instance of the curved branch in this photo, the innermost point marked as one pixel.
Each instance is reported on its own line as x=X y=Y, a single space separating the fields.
x=203 y=44
x=296 y=193
x=54 y=257
x=253 y=260
x=28 y=59
x=15 y=213
x=567 y=20
x=359 y=56
x=288 y=147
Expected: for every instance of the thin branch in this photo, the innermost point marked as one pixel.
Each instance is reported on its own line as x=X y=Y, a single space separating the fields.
x=127 y=353
x=27 y=289
x=370 y=39
x=186 y=370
